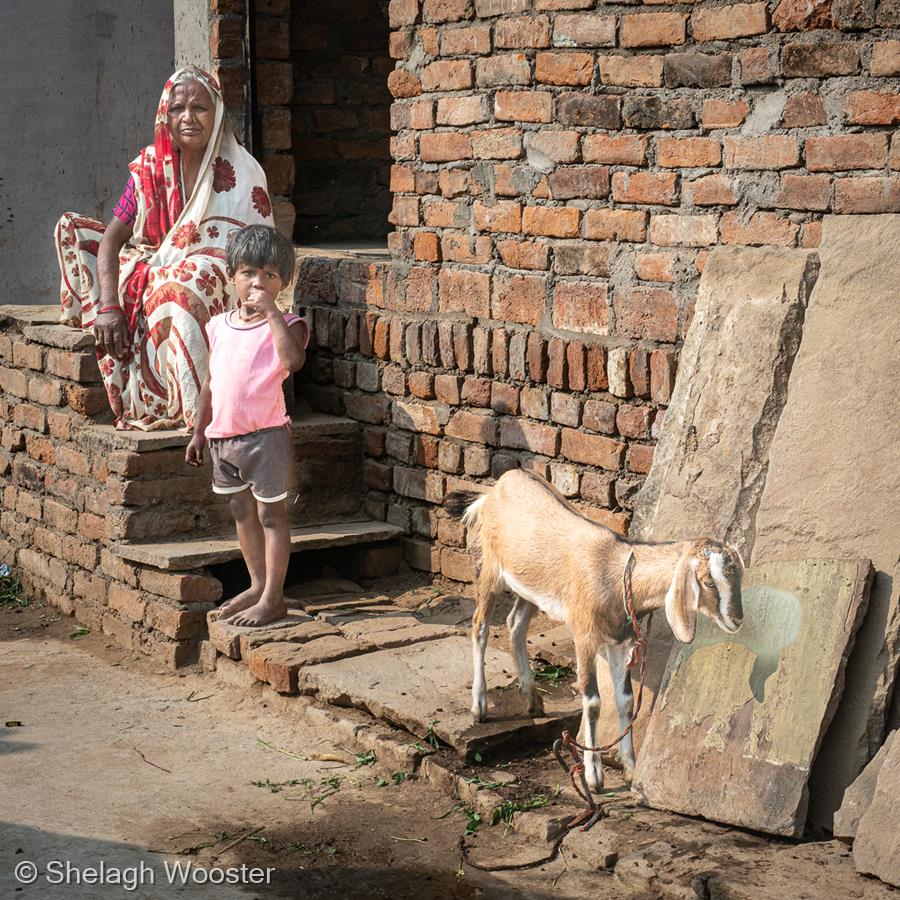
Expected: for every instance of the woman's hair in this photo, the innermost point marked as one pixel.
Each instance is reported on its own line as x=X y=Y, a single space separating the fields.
x=187 y=76
x=260 y=245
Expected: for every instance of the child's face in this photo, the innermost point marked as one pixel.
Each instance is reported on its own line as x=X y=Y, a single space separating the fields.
x=254 y=281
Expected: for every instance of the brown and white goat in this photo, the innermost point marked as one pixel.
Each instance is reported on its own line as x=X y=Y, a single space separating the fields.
x=537 y=545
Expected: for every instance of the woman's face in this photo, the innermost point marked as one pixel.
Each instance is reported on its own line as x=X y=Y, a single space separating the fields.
x=191 y=117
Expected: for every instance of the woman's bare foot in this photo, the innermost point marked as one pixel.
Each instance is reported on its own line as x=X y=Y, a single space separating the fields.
x=243 y=601
x=268 y=609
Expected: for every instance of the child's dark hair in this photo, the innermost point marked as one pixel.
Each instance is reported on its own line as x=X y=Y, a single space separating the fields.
x=260 y=245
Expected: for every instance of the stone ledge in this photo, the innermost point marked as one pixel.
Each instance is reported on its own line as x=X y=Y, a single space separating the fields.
x=308 y=423
x=191 y=554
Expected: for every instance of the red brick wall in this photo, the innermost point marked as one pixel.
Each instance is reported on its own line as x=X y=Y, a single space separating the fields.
x=561 y=171
x=341 y=121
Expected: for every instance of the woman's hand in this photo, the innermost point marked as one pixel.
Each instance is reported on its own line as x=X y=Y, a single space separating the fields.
x=111 y=332
x=193 y=456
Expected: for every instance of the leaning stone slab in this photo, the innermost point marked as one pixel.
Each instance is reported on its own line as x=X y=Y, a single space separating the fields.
x=429 y=683
x=876 y=850
x=28 y=314
x=395 y=631
x=739 y=717
x=295 y=634
x=227 y=638
x=833 y=487
x=60 y=336
x=858 y=797
x=278 y=663
x=709 y=465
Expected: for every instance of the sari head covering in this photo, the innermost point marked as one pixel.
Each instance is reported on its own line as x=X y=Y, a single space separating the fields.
x=172 y=275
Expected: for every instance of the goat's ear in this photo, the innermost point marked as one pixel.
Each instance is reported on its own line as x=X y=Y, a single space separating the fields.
x=737 y=553
x=682 y=599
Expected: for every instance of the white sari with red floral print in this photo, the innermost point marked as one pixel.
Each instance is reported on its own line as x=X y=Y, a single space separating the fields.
x=172 y=275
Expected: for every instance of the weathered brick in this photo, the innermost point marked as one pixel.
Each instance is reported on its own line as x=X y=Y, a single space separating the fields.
x=632 y=71
x=523 y=434
x=26 y=355
x=419 y=417
x=524 y=254
x=728 y=22
x=593 y=450
x=457 y=565
x=584 y=30
x=659 y=266
x=804 y=192
x=523 y=106
x=480 y=427
x=819 y=60
x=652 y=29
x=47 y=391
x=551 y=221
x=867 y=195
x=683 y=231
x=503 y=69
x=652 y=112
x=689 y=152
x=536 y=357
x=501 y=216
x=768 y=152
x=27 y=415
x=597 y=487
x=403 y=12
x=626 y=150
x=497 y=143
x=662 y=375
x=873 y=108
x=600 y=416
x=173 y=622
x=646 y=313
x=802 y=15
x=579 y=182
x=581 y=306
x=762 y=228
x=518 y=298
x=418 y=484
x=885 y=58
x=847 y=151
x=645 y=187
x=466 y=249
x=464 y=291
x=803 y=110
x=183 y=587
x=634 y=421
x=640 y=458
x=724 y=113
x=711 y=190
x=564 y=68
x=588 y=110
x=757 y=66
x=581 y=258
x=697 y=70
x=559 y=145
x=444 y=146
x=615 y=225
x=475 y=39
x=511 y=32
x=447 y=75
x=74 y=366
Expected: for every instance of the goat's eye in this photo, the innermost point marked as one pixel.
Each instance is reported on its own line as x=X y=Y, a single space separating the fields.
x=708 y=583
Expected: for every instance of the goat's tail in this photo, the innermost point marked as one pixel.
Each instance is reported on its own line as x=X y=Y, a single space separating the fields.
x=465 y=505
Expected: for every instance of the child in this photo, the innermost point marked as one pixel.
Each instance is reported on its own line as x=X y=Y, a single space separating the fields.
x=252 y=349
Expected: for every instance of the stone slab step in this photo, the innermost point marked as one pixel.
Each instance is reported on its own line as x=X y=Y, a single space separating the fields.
x=305 y=424
x=192 y=554
x=429 y=682
x=30 y=314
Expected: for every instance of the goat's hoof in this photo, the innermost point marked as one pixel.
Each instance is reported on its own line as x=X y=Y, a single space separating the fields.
x=628 y=775
x=536 y=707
x=594 y=780
x=479 y=712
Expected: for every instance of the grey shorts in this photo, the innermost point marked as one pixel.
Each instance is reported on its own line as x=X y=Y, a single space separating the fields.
x=262 y=461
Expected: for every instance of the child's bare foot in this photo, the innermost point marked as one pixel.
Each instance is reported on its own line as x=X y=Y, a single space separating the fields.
x=243 y=601
x=268 y=609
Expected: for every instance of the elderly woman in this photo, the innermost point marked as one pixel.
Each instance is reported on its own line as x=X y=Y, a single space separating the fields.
x=148 y=282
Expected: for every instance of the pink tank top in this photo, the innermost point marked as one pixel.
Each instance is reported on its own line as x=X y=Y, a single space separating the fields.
x=245 y=377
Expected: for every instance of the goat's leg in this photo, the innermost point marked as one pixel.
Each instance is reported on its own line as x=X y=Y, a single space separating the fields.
x=616 y=655
x=484 y=604
x=517 y=622
x=590 y=705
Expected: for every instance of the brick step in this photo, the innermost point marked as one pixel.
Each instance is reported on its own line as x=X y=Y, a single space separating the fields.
x=195 y=553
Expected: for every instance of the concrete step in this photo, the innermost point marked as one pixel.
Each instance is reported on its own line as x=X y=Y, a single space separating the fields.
x=207 y=551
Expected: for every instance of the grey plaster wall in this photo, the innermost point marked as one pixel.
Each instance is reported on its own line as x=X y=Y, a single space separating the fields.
x=192 y=33
x=81 y=81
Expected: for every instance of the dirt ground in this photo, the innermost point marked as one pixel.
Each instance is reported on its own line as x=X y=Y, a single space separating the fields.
x=120 y=765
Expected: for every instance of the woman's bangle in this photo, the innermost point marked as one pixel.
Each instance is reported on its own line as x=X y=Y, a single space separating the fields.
x=106 y=309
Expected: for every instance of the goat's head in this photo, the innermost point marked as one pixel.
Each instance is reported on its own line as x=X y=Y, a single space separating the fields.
x=707 y=579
